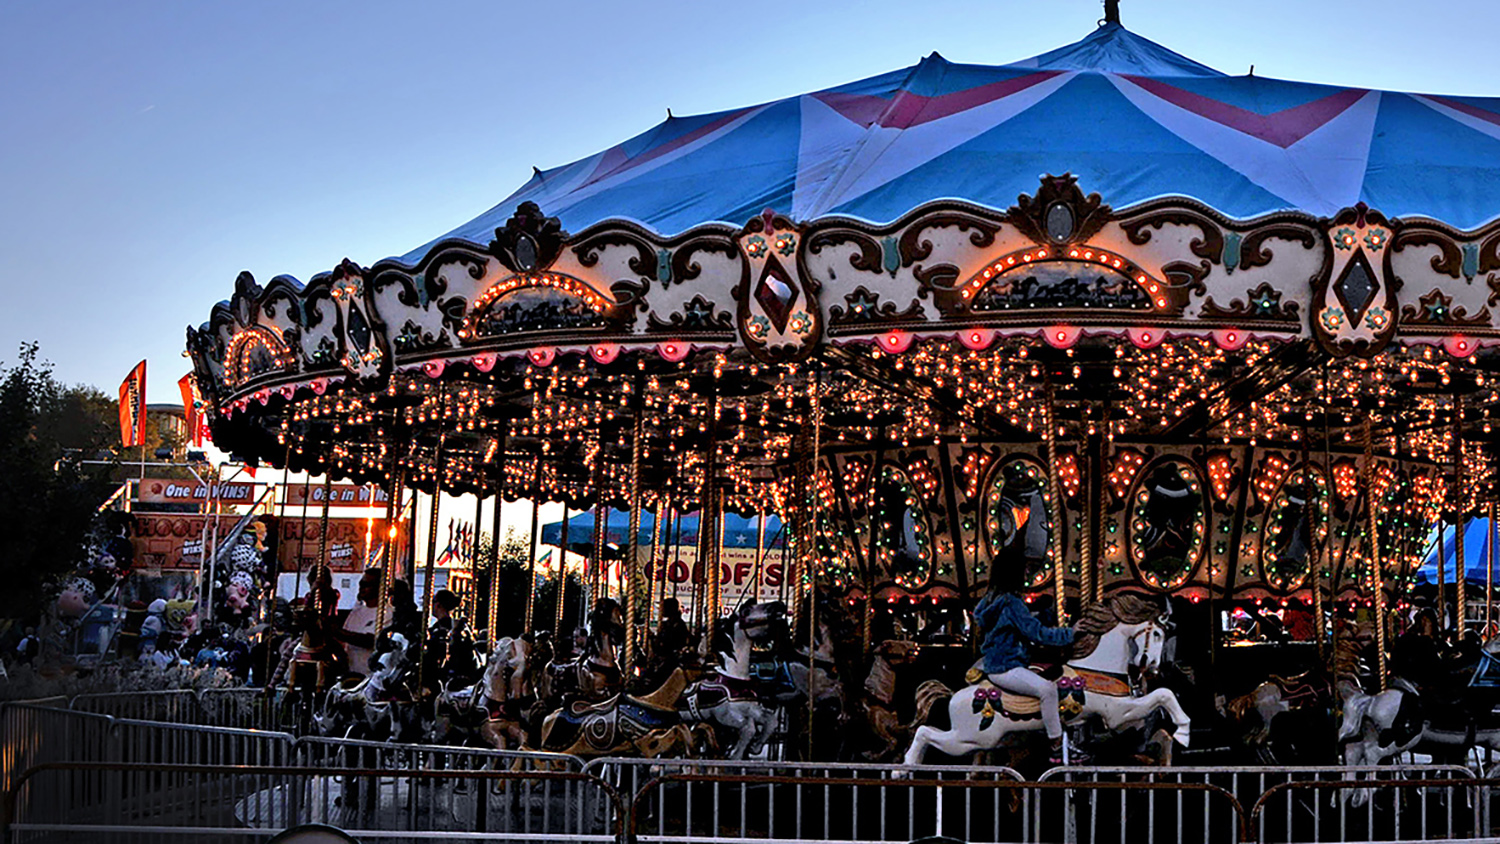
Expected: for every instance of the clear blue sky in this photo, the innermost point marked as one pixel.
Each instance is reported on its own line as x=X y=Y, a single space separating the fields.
x=151 y=151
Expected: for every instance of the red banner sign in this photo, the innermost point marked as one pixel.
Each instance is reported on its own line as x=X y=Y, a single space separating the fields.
x=172 y=541
x=175 y=541
x=349 y=542
x=175 y=491
x=339 y=495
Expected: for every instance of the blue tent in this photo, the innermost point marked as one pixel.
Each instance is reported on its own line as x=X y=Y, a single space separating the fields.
x=1477 y=538
x=739 y=531
x=1132 y=119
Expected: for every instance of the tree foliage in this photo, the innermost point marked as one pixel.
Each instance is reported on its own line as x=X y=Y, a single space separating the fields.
x=47 y=497
x=514 y=564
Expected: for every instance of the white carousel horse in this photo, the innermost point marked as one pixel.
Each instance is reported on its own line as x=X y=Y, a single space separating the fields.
x=369 y=702
x=729 y=697
x=1389 y=723
x=505 y=684
x=1124 y=650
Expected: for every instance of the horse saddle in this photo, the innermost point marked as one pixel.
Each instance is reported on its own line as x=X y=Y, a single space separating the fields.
x=1487 y=673
x=604 y=725
x=717 y=689
x=1072 y=684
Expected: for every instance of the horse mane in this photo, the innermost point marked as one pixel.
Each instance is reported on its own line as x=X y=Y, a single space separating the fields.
x=1104 y=616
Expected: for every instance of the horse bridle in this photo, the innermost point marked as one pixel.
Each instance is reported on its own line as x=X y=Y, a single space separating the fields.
x=1136 y=668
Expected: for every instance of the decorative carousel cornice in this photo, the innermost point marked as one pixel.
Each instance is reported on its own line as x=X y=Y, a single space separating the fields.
x=1057 y=262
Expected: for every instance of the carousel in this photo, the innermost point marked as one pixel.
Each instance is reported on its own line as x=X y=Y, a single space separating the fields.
x=1221 y=345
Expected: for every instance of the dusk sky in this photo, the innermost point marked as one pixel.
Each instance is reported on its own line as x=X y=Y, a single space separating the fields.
x=152 y=151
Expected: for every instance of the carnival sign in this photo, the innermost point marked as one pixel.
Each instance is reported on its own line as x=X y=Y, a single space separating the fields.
x=337 y=495
x=350 y=542
x=680 y=575
x=175 y=491
x=174 y=541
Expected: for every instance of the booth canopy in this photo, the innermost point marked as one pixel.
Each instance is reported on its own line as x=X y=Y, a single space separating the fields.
x=739 y=531
x=1130 y=118
x=1477 y=539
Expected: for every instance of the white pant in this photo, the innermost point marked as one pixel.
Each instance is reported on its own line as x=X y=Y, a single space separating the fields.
x=1024 y=681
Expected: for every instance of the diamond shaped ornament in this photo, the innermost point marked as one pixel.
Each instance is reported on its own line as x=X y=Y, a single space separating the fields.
x=1356 y=287
x=776 y=293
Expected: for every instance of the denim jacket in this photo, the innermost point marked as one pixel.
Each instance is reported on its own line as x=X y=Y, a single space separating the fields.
x=1010 y=630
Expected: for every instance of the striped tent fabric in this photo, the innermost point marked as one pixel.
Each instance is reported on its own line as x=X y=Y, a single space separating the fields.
x=1132 y=119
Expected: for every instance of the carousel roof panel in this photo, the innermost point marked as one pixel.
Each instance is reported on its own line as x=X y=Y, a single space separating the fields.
x=1134 y=119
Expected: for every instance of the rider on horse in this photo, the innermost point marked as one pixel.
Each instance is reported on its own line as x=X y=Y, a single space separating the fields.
x=1011 y=630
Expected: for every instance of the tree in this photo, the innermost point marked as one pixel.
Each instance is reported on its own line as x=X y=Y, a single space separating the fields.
x=514 y=589
x=48 y=498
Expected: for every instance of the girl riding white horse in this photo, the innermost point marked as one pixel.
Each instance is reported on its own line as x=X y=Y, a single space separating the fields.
x=1117 y=642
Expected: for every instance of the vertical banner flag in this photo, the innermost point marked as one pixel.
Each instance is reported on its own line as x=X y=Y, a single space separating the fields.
x=190 y=414
x=133 y=407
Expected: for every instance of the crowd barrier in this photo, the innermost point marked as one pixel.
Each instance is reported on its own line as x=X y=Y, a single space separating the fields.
x=773 y=801
x=1132 y=817
x=676 y=800
x=165 y=803
x=244 y=708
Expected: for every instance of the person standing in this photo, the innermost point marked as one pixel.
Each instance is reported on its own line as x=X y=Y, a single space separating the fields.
x=358 y=628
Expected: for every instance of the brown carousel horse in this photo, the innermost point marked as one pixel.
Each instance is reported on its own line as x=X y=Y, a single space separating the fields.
x=645 y=725
x=594 y=674
x=878 y=705
x=1314 y=690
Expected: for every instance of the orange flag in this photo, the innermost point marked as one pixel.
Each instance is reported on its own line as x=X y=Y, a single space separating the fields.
x=190 y=413
x=133 y=407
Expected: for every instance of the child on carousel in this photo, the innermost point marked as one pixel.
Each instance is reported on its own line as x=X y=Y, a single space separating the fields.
x=1010 y=632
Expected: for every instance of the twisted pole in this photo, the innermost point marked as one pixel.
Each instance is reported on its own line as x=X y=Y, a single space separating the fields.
x=1055 y=545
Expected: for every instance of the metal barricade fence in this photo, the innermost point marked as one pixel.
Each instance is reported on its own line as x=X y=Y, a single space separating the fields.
x=154 y=742
x=175 y=706
x=242 y=708
x=937 y=808
x=743 y=801
x=1137 y=816
x=246 y=708
x=163 y=803
x=1385 y=809
x=34 y=733
x=545 y=798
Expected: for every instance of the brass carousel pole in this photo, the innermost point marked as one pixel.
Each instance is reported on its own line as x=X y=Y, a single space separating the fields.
x=815 y=554
x=392 y=509
x=317 y=601
x=1320 y=624
x=1373 y=525
x=1055 y=512
x=536 y=508
x=1086 y=536
x=706 y=587
x=1460 y=571
x=1489 y=580
x=562 y=572
x=471 y=601
x=631 y=589
x=301 y=535
x=432 y=531
x=654 y=562
x=492 y=613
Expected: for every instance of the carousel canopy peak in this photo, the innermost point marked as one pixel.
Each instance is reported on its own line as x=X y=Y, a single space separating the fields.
x=1132 y=119
x=1114 y=49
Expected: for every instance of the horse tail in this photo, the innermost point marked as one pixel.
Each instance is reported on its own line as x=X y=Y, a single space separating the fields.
x=929 y=695
x=1238 y=708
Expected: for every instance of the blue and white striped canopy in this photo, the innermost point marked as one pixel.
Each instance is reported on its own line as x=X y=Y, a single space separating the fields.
x=1132 y=119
